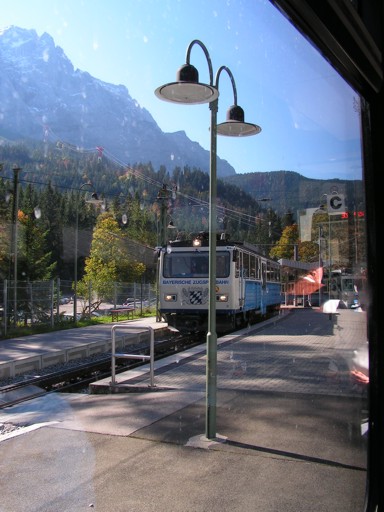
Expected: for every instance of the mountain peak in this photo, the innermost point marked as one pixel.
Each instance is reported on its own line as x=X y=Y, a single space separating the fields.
x=43 y=95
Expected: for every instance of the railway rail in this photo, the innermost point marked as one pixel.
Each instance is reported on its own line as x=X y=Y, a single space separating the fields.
x=71 y=379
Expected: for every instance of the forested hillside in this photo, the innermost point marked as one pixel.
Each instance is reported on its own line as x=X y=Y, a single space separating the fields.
x=61 y=181
x=290 y=191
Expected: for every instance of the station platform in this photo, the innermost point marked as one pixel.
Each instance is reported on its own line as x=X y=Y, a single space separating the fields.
x=30 y=354
x=288 y=435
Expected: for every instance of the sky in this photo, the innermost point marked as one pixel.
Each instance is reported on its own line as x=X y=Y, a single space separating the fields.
x=307 y=112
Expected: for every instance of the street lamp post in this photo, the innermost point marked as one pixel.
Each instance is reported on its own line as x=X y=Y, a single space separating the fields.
x=188 y=90
x=14 y=235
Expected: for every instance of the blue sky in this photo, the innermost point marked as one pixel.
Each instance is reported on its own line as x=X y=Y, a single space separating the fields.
x=306 y=111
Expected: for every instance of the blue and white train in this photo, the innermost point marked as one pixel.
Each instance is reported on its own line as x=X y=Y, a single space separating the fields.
x=248 y=285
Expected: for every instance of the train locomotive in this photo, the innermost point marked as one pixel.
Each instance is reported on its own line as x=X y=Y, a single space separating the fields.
x=248 y=285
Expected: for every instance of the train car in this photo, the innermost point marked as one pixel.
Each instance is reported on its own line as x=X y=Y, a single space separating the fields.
x=248 y=285
x=349 y=288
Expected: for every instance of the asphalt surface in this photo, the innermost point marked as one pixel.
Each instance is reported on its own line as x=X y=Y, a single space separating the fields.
x=289 y=431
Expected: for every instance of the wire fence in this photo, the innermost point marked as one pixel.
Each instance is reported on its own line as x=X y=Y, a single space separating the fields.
x=49 y=303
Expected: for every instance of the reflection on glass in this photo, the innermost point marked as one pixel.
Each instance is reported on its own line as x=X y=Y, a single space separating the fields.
x=295 y=391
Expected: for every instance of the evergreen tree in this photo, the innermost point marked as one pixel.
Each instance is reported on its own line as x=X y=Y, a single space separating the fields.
x=5 y=230
x=34 y=260
x=51 y=202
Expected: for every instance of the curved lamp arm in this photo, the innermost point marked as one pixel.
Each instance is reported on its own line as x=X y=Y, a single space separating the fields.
x=235 y=125
x=207 y=56
x=218 y=73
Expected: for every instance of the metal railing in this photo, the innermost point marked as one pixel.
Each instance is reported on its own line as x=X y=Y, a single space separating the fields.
x=150 y=358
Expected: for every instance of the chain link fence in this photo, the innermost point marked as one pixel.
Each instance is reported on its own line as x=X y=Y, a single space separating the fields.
x=51 y=302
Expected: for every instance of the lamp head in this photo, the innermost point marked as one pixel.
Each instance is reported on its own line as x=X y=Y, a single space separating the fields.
x=187 y=90
x=95 y=200
x=187 y=73
x=235 y=126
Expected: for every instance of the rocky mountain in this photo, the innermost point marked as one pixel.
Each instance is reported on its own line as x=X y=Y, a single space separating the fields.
x=43 y=97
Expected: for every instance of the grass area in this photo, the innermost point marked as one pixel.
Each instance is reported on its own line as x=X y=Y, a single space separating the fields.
x=28 y=330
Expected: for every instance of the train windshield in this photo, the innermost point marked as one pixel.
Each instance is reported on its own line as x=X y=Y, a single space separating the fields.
x=194 y=264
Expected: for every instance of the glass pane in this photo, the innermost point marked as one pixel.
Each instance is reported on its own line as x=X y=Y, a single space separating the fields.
x=117 y=175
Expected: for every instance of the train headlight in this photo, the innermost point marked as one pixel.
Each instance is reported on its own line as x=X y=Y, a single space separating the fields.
x=222 y=297
x=171 y=297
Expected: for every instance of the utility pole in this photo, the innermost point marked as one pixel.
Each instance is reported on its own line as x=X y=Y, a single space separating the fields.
x=164 y=196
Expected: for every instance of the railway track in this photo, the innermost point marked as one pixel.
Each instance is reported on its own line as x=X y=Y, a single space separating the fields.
x=77 y=378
